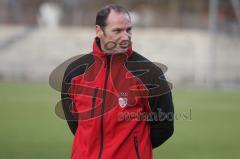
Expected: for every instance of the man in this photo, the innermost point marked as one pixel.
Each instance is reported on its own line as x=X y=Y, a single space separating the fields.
x=106 y=96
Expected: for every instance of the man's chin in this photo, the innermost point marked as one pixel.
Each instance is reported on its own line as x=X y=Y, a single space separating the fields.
x=121 y=51
x=117 y=51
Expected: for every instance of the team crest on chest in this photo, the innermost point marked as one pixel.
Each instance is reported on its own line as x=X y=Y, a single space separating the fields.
x=122 y=102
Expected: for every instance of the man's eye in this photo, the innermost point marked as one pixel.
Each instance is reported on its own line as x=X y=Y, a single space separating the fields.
x=129 y=30
x=117 y=31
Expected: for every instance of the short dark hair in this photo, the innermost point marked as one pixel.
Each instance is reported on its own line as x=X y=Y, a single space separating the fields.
x=103 y=13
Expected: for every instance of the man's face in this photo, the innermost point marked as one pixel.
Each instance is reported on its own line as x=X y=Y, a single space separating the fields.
x=116 y=36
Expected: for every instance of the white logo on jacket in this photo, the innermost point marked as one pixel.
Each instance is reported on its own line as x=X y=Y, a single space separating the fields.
x=122 y=102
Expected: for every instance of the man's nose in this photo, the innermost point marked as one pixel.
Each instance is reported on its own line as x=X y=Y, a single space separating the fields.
x=126 y=36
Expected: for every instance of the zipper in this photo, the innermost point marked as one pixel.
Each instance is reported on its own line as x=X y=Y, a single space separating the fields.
x=136 y=147
x=107 y=65
x=93 y=102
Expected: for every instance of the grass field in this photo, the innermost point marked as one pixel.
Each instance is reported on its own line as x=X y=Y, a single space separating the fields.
x=31 y=130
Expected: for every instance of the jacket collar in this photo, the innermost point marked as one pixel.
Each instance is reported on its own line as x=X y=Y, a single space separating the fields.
x=97 y=51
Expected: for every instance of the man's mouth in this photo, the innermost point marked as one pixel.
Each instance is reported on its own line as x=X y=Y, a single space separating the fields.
x=124 y=44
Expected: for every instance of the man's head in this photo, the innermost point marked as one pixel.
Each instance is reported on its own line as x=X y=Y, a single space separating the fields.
x=113 y=28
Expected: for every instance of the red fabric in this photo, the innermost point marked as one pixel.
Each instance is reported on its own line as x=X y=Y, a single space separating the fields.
x=118 y=133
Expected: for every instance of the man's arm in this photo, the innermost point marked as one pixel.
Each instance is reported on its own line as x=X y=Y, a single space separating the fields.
x=74 y=69
x=160 y=99
x=67 y=105
x=161 y=104
x=163 y=128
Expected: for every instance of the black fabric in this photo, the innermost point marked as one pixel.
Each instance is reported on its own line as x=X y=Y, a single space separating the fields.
x=74 y=69
x=162 y=127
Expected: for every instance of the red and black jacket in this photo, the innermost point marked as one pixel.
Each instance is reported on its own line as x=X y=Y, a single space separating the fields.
x=111 y=101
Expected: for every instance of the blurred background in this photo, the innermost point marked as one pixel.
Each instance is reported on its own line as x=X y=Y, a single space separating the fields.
x=198 y=40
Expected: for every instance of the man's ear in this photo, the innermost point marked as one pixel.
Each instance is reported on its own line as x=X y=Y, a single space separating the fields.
x=99 y=31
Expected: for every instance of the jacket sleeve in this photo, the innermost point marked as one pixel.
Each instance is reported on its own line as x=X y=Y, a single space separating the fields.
x=67 y=104
x=162 y=128
x=162 y=110
x=75 y=67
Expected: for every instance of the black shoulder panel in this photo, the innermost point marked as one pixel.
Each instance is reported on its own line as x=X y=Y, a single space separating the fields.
x=160 y=97
x=75 y=68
